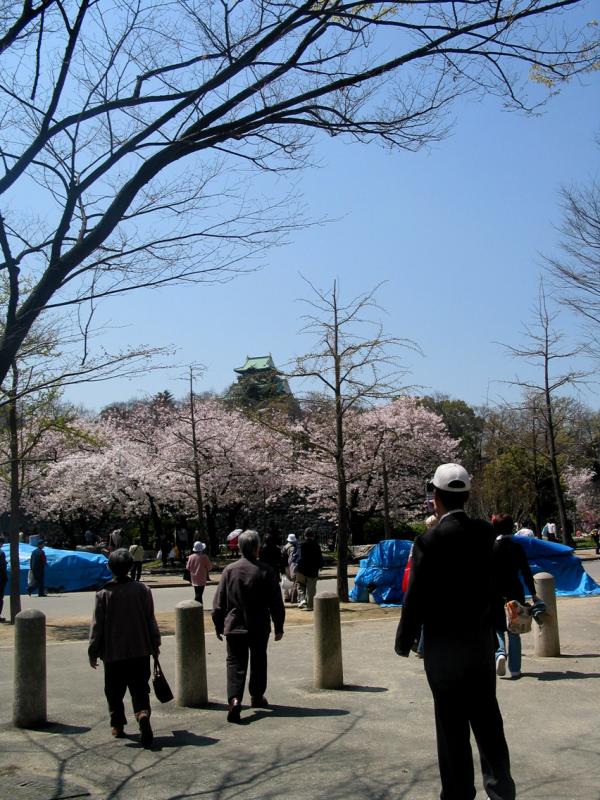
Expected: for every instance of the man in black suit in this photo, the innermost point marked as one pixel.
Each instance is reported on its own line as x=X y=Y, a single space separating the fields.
x=451 y=593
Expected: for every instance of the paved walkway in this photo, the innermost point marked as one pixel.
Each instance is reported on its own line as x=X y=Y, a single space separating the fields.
x=374 y=740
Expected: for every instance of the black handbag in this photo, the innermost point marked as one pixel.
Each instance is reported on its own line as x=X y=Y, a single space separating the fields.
x=186 y=576
x=162 y=690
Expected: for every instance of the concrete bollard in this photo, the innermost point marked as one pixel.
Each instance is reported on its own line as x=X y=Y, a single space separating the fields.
x=329 y=672
x=546 y=639
x=29 y=708
x=191 y=690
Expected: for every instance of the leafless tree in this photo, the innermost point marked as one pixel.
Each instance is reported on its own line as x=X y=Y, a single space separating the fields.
x=125 y=128
x=576 y=271
x=354 y=363
x=542 y=349
x=49 y=359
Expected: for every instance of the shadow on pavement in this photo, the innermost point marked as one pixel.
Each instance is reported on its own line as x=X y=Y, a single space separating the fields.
x=65 y=730
x=300 y=711
x=579 y=655
x=568 y=675
x=182 y=739
x=354 y=687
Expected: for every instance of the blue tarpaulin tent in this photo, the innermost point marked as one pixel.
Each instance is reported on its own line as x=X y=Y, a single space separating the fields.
x=66 y=570
x=380 y=574
x=558 y=559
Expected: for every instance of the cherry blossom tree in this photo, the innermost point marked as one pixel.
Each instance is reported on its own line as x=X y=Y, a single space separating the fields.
x=583 y=487
x=396 y=444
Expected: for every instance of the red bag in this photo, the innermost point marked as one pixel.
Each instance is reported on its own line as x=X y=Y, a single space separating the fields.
x=406 y=576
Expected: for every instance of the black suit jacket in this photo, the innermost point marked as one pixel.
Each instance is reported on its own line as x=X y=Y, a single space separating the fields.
x=451 y=593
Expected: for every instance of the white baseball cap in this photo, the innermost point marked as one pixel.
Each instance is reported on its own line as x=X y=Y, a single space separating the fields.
x=451 y=478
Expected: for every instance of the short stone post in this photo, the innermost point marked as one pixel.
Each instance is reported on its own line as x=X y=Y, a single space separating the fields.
x=191 y=690
x=547 y=642
x=29 y=708
x=329 y=673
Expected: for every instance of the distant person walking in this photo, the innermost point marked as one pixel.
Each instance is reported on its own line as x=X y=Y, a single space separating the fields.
x=116 y=540
x=182 y=541
x=271 y=554
x=310 y=561
x=137 y=554
x=124 y=635
x=459 y=635
x=246 y=600
x=199 y=565
x=510 y=565
x=3 y=577
x=37 y=570
x=291 y=554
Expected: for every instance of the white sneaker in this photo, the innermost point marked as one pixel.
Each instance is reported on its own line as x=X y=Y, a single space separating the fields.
x=501 y=666
x=302 y=604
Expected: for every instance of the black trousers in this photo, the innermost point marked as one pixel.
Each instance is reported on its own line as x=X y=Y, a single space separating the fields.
x=136 y=571
x=240 y=648
x=198 y=593
x=463 y=704
x=2 y=589
x=128 y=673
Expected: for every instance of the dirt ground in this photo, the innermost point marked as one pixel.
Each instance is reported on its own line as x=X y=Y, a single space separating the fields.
x=77 y=628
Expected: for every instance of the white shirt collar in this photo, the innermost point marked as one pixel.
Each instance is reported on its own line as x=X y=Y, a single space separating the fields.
x=454 y=511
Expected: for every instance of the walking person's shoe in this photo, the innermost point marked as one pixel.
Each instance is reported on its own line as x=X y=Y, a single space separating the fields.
x=302 y=604
x=117 y=732
x=501 y=666
x=234 y=710
x=515 y=675
x=146 y=735
x=259 y=702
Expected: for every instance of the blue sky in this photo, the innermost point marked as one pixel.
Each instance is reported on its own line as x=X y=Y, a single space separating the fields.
x=455 y=231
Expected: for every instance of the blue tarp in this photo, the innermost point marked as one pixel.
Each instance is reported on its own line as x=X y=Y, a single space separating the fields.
x=381 y=573
x=558 y=559
x=66 y=570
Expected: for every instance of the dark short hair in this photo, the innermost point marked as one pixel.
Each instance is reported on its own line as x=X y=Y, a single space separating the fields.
x=309 y=532
x=503 y=524
x=451 y=500
x=120 y=562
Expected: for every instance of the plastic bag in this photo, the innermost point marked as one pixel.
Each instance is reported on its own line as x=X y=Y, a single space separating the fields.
x=518 y=618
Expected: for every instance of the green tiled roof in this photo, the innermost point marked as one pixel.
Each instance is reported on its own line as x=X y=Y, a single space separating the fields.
x=256 y=363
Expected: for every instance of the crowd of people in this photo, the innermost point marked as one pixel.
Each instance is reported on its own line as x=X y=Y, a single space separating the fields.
x=465 y=645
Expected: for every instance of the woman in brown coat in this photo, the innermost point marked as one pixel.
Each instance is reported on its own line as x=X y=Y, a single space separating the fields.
x=124 y=635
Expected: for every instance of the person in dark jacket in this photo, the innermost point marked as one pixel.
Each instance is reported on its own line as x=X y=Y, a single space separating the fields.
x=124 y=635
x=510 y=561
x=451 y=593
x=37 y=565
x=3 y=577
x=310 y=561
x=247 y=599
x=270 y=553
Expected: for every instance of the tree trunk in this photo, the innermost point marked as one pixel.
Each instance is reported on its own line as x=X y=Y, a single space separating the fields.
x=387 y=524
x=342 y=486
x=211 y=528
x=156 y=520
x=196 y=458
x=558 y=492
x=15 y=499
